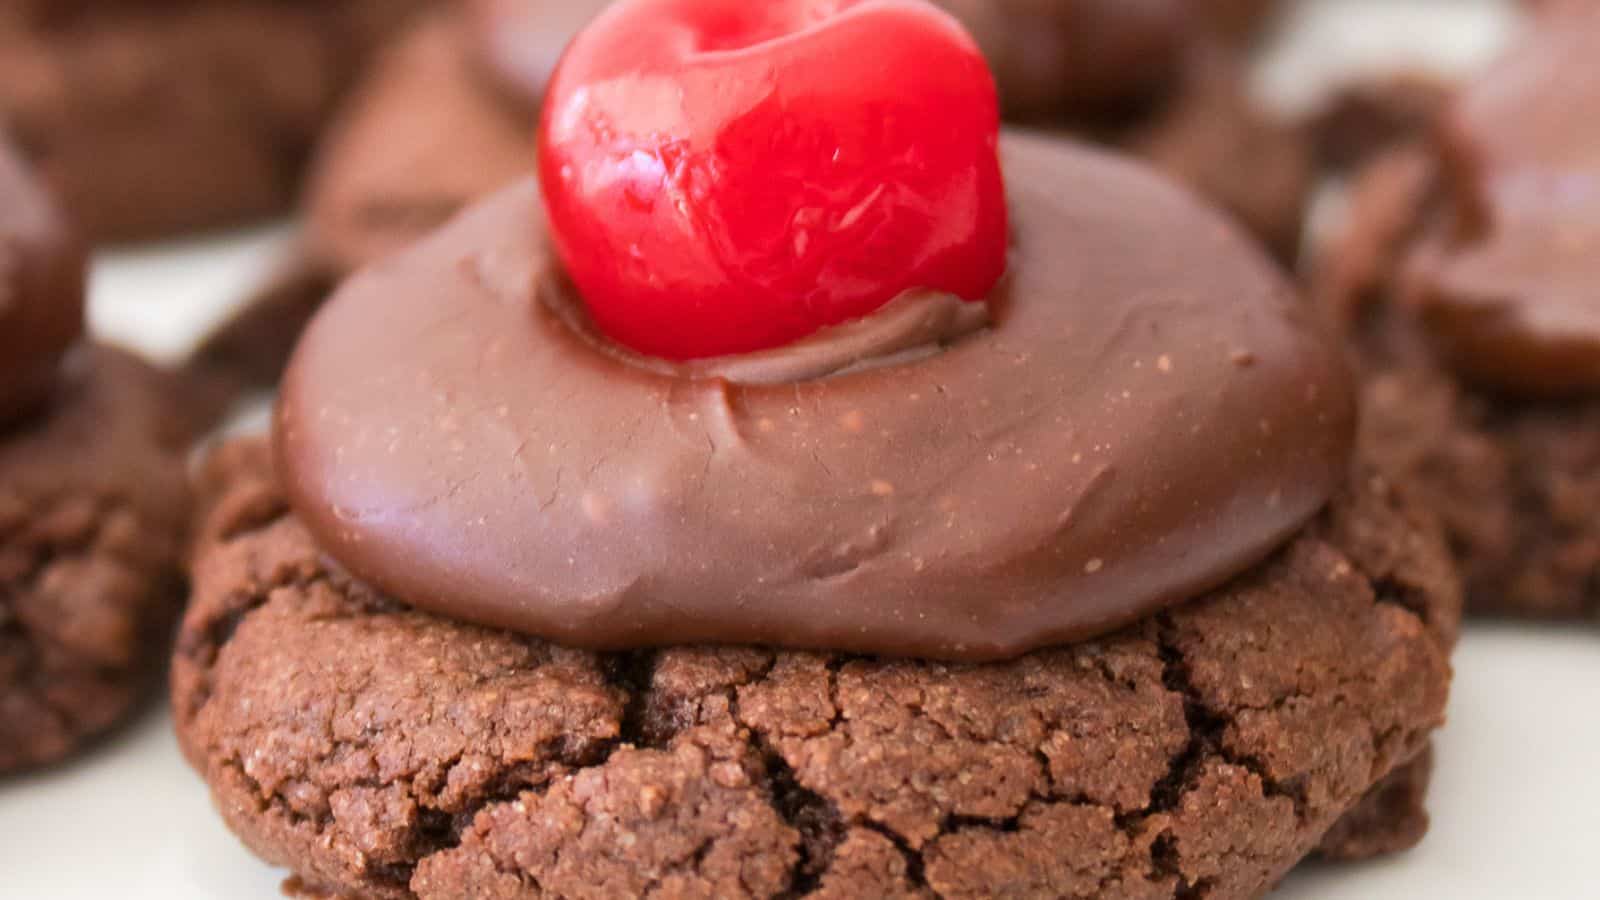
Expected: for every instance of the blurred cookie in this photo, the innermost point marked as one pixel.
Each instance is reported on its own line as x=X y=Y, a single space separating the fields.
x=1077 y=60
x=1211 y=135
x=1364 y=118
x=1465 y=277
x=153 y=118
x=93 y=498
x=1239 y=18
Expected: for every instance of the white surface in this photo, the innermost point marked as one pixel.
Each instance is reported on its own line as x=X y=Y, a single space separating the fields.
x=163 y=299
x=1516 y=800
x=1326 y=43
x=1516 y=797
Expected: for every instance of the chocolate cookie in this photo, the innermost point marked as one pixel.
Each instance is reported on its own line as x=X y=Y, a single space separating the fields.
x=962 y=592
x=385 y=176
x=1209 y=134
x=1077 y=60
x=1465 y=278
x=151 y=118
x=390 y=753
x=1239 y=18
x=93 y=513
x=93 y=497
x=1367 y=117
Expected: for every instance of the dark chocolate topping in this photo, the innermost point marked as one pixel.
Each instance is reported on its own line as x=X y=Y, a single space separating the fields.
x=1509 y=284
x=520 y=41
x=41 y=288
x=1150 y=413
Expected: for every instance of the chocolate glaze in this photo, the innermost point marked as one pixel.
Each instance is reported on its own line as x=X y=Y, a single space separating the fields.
x=41 y=288
x=1150 y=412
x=1509 y=283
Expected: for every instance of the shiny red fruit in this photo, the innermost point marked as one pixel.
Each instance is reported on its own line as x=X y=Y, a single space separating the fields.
x=723 y=176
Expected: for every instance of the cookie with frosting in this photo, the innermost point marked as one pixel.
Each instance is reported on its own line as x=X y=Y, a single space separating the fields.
x=1465 y=277
x=806 y=488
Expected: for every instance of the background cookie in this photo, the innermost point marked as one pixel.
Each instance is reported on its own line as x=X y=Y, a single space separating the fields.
x=1516 y=485
x=1464 y=277
x=1239 y=18
x=93 y=496
x=93 y=514
x=380 y=750
x=1076 y=60
x=1512 y=481
x=1209 y=134
x=148 y=119
x=422 y=137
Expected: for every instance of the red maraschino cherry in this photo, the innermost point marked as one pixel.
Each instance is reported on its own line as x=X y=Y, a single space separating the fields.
x=723 y=176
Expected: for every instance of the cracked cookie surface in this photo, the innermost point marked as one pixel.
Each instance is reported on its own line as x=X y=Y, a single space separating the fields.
x=93 y=513
x=381 y=752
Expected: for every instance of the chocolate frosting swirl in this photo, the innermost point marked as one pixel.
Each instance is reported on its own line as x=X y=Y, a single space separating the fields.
x=41 y=289
x=1150 y=413
x=1509 y=281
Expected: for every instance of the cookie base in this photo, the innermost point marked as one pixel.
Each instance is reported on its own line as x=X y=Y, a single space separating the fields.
x=380 y=751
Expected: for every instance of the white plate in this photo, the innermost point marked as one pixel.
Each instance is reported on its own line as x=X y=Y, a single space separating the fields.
x=1516 y=799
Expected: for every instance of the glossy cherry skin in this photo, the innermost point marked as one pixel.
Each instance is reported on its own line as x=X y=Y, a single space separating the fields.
x=723 y=176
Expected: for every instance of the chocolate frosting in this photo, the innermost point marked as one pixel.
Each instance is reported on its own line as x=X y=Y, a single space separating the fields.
x=1150 y=412
x=1509 y=281
x=41 y=289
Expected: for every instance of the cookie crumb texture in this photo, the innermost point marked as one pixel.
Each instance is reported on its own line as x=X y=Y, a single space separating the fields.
x=93 y=512
x=1516 y=484
x=381 y=752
